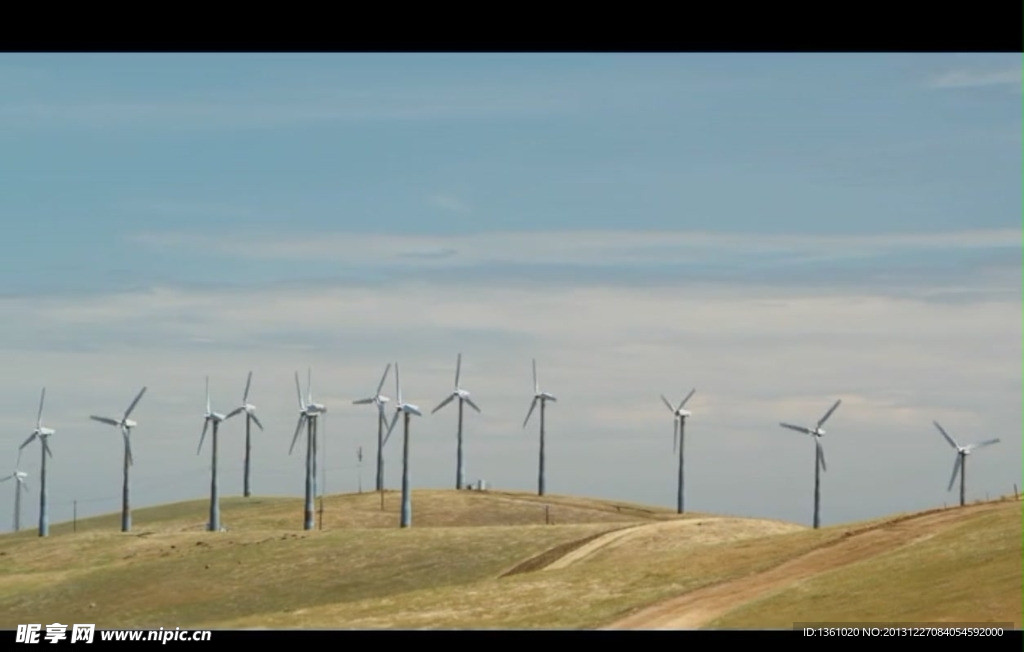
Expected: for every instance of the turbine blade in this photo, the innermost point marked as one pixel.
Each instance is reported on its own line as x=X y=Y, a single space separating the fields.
x=46 y=447
x=986 y=443
x=233 y=412
x=398 y=385
x=39 y=417
x=6 y=478
x=298 y=392
x=298 y=429
x=309 y=384
x=131 y=407
x=380 y=385
x=206 y=423
x=207 y=394
x=472 y=404
x=26 y=442
x=533 y=404
x=391 y=427
x=444 y=402
x=458 y=368
x=956 y=469
x=667 y=404
x=536 y=385
x=248 y=382
x=106 y=420
x=832 y=409
x=257 y=421
x=363 y=401
x=821 y=455
x=945 y=434
x=806 y=431
x=687 y=398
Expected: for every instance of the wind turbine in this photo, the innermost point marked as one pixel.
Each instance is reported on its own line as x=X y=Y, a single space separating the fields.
x=215 y=418
x=543 y=397
x=379 y=400
x=463 y=397
x=819 y=455
x=308 y=413
x=19 y=484
x=960 y=466
x=250 y=416
x=126 y=425
x=679 y=421
x=407 y=409
x=43 y=434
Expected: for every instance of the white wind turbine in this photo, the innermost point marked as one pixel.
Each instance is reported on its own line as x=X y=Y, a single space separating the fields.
x=543 y=397
x=250 y=417
x=379 y=400
x=19 y=485
x=960 y=466
x=215 y=418
x=407 y=409
x=819 y=455
x=308 y=413
x=43 y=434
x=125 y=425
x=463 y=397
x=679 y=427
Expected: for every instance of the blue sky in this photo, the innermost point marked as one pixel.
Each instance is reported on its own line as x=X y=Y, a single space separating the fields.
x=776 y=230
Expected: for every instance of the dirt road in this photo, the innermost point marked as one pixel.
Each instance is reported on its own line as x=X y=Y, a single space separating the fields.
x=697 y=608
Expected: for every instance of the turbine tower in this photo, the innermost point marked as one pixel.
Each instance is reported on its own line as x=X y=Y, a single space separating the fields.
x=308 y=413
x=43 y=434
x=19 y=484
x=407 y=409
x=215 y=418
x=960 y=465
x=819 y=456
x=379 y=400
x=463 y=396
x=250 y=417
x=678 y=429
x=543 y=397
x=125 y=424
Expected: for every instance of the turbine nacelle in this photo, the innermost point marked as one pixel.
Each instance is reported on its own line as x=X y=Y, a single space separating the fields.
x=44 y=432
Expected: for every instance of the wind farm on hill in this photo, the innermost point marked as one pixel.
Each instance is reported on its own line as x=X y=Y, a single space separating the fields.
x=488 y=558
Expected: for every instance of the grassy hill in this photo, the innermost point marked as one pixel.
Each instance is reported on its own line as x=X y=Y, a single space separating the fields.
x=509 y=560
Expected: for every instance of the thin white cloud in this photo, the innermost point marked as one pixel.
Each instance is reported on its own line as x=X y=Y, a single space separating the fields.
x=449 y=202
x=963 y=78
x=575 y=247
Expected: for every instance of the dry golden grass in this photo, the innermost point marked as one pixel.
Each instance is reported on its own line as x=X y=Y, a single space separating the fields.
x=476 y=560
x=968 y=571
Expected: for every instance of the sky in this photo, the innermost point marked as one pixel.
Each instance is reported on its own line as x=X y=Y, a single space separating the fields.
x=776 y=231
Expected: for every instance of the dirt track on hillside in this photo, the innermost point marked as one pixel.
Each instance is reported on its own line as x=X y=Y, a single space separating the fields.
x=697 y=608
